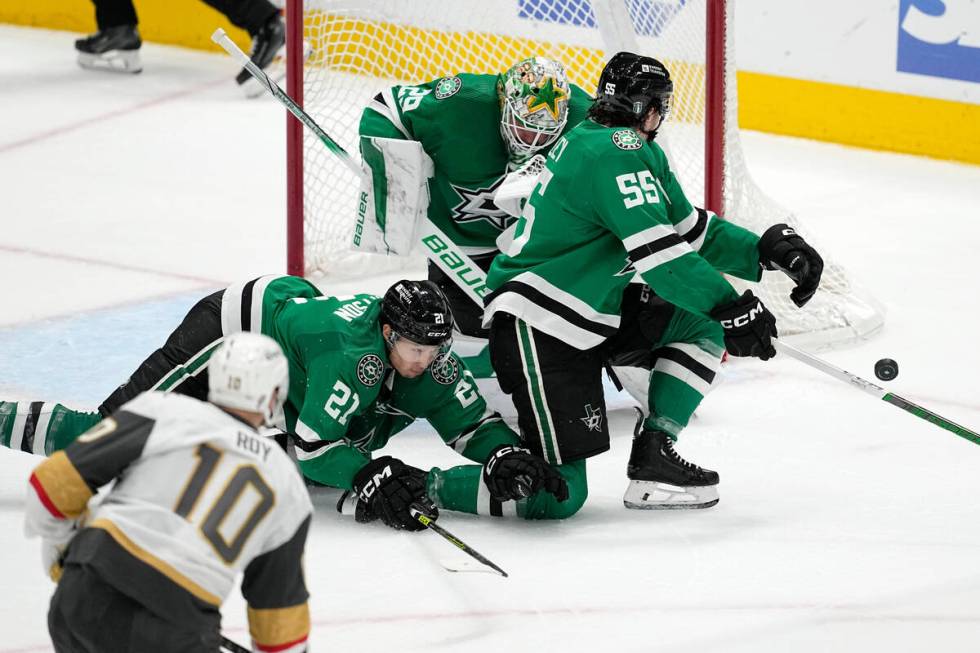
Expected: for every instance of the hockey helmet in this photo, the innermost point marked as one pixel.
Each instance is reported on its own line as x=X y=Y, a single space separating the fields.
x=245 y=371
x=418 y=311
x=630 y=85
x=533 y=105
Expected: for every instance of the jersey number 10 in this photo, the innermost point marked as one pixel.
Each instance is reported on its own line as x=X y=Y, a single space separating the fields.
x=244 y=476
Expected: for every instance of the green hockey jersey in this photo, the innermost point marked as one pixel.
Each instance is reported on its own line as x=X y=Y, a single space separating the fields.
x=457 y=121
x=606 y=207
x=345 y=399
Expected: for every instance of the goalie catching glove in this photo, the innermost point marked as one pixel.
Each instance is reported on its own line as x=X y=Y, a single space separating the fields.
x=781 y=248
x=749 y=327
x=513 y=473
x=388 y=488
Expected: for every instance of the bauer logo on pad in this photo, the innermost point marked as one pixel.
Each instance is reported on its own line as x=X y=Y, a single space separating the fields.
x=940 y=38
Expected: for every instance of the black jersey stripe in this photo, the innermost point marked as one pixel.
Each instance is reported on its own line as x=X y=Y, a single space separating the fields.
x=311 y=447
x=651 y=248
x=695 y=232
x=551 y=305
x=247 y=305
x=687 y=361
x=380 y=98
x=30 y=426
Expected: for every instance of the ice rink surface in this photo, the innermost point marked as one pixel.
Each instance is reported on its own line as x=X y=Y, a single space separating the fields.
x=844 y=524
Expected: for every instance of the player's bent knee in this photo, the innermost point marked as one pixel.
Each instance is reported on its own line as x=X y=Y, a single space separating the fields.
x=546 y=506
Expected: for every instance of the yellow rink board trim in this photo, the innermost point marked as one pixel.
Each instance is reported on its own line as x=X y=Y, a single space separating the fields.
x=816 y=110
x=878 y=120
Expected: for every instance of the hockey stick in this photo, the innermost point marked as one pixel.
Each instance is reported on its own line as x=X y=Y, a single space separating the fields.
x=440 y=249
x=430 y=523
x=876 y=391
x=231 y=646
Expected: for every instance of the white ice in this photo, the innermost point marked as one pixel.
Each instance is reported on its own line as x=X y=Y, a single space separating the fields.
x=844 y=524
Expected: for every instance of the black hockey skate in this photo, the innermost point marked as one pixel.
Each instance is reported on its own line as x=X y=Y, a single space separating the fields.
x=661 y=480
x=113 y=48
x=266 y=44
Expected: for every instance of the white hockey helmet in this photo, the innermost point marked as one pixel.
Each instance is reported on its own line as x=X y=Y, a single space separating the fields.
x=533 y=97
x=245 y=371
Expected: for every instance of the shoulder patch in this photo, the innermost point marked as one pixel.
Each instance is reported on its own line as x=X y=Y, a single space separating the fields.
x=627 y=139
x=370 y=369
x=447 y=373
x=448 y=87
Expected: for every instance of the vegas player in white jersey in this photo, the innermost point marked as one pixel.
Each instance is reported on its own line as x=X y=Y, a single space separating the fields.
x=199 y=496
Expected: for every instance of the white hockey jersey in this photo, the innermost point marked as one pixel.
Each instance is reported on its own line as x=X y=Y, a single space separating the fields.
x=199 y=497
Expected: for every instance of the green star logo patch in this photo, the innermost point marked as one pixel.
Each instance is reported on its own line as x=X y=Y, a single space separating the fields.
x=547 y=96
x=448 y=87
x=627 y=139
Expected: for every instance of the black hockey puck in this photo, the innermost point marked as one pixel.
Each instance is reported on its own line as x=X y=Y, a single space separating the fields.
x=886 y=369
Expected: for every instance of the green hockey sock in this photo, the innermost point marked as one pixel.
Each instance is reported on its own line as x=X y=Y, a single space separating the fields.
x=41 y=427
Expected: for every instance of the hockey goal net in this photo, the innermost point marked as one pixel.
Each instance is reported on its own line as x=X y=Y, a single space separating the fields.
x=355 y=48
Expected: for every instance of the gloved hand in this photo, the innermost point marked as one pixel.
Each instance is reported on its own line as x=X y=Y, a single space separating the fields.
x=781 y=248
x=388 y=487
x=749 y=327
x=513 y=473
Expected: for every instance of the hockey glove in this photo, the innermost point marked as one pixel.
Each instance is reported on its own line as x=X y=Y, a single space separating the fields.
x=749 y=327
x=781 y=248
x=388 y=487
x=513 y=473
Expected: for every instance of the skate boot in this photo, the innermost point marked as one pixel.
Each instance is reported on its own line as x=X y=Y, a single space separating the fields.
x=661 y=480
x=113 y=48
x=266 y=44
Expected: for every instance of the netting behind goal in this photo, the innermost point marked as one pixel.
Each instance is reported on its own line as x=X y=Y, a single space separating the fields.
x=359 y=47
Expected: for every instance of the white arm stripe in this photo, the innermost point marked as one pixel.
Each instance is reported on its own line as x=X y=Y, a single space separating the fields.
x=647 y=236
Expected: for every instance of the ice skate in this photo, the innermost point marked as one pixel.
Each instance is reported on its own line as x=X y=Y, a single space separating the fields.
x=266 y=44
x=115 y=49
x=661 y=480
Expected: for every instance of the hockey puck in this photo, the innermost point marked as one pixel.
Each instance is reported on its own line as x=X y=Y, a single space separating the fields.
x=886 y=369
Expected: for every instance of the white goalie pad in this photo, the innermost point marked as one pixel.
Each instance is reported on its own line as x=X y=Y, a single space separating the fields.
x=394 y=195
x=518 y=185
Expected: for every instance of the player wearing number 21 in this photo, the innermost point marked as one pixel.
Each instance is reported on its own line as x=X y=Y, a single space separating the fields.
x=362 y=368
x=199 y=497
x=608 y=208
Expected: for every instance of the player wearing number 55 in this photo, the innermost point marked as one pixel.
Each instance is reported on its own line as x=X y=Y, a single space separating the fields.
x=362 y=369
x=199 y=497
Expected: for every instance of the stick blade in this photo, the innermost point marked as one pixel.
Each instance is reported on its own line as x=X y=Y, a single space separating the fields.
x=469 y=566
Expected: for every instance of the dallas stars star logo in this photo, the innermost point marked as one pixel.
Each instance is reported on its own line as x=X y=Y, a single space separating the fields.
x=478 y=204
x=547 y=96
x=627 y=269
x=593 y=418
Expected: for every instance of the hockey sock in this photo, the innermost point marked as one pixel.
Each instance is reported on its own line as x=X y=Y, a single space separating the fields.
x=41 y=427
x=681 y=377
x=461 y=488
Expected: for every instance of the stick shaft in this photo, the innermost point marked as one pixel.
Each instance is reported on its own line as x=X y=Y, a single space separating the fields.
x=229 y=645
x=439 y=248
x=877 y=391
x=449 y=537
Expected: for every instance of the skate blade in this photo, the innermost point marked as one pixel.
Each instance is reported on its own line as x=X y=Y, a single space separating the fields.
x=650 y=495
x=116 y=61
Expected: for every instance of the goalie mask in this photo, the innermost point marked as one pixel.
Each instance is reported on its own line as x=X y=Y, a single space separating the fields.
x=420 y=319
x=533 y=105
x=245 y=372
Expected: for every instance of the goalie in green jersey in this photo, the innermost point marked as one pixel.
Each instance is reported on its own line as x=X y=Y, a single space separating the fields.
x=361 y=369
x=442 y=149
x=606 y=208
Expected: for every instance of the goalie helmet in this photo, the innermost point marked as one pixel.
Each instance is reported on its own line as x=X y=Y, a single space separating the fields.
x=629 y=86
x=245 y=371
x=533 y=105
x=418 y=311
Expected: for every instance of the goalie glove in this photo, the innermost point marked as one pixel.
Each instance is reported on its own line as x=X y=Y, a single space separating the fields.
x=749 y=327
x=513 y=473
x=388 y=488
x=781 y=248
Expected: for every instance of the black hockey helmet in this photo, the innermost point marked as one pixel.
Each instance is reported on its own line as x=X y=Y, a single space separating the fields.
x=418 y=311
x=629 y=86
